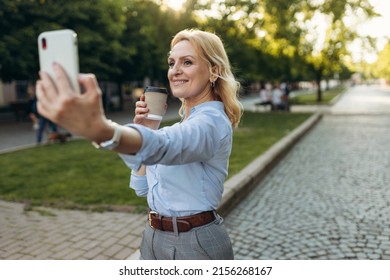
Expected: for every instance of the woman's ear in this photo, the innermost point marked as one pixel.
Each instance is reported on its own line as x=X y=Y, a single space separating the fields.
x=214 y=74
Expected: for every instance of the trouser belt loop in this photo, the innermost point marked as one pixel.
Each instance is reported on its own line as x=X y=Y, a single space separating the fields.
x=160 y=222
x=174 y=223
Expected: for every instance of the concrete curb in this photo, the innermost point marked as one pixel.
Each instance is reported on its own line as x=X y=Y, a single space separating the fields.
x=33 y=145
x=18 y=148
x=237 y=187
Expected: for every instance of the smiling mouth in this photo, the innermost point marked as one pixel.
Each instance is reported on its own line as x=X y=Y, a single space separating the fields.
x=179 y=82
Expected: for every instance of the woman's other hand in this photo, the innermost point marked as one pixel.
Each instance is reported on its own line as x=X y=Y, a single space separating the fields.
x=141 y=113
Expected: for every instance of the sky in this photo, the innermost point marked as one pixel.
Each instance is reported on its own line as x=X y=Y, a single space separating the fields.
x=175 y=4
x=378 y=27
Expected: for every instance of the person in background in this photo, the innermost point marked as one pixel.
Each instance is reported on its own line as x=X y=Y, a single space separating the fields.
x=285 y=87
x=181 y=169
x=40 y=122
x=265 y=97
x=279 y=99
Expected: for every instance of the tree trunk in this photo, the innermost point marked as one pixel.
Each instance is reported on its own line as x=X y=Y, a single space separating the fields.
x=319 y=91
x=120 y=92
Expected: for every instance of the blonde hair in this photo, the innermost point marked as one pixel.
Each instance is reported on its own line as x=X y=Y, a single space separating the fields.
x=210 y=48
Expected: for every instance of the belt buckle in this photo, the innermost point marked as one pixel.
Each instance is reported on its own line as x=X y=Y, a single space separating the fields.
x=151 y=213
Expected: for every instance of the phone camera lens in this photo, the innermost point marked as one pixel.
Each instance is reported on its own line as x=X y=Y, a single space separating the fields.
x=44 y=45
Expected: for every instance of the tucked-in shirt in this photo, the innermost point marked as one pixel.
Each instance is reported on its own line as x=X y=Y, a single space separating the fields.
x=187 y=163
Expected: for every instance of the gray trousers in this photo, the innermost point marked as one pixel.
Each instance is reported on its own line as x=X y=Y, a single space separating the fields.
x=207 y=242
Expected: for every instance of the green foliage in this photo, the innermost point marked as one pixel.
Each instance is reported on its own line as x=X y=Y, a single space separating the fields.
x=127 y=40
x=381 y=68
x=99 y=24
x=148 y=33
x=326 y=57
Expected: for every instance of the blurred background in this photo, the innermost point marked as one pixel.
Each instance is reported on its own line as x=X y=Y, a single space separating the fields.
x=312 y=44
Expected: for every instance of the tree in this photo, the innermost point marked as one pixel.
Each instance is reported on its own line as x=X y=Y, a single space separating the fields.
x=149 y=30
x=99 y=24
x=325 y=56
x=277 y=39
x=129 y=39
x=18 y=47
x=381 y=67
x=261 y=37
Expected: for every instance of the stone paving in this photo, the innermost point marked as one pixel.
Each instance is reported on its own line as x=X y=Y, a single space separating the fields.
x=43 y=233
x=329 y=198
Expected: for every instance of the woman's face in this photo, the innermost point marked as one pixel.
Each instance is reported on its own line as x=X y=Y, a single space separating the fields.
x=188 y=74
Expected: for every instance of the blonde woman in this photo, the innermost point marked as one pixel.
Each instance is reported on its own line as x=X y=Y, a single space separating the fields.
x=180 y=169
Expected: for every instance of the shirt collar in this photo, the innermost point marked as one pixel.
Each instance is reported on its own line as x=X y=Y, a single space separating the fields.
x=214 y=104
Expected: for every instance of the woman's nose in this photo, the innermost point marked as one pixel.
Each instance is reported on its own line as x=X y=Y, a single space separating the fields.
x=176 y=69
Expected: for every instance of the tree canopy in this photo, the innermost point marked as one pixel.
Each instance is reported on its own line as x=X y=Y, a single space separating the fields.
x=127 y=40
x=381 y=68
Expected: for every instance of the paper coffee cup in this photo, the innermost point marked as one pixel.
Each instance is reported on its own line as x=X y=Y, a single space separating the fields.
x=156 y=100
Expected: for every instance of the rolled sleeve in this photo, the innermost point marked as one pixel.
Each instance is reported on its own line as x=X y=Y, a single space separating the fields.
x=139 y=184
x=150 y=143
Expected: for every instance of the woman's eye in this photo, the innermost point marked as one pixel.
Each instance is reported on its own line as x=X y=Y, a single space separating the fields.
x=171 y=64
x=187 y=62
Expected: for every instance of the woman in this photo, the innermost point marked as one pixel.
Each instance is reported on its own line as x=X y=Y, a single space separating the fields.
x=183 y=166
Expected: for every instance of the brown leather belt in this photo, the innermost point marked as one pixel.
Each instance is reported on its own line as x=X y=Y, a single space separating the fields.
x=184 y=223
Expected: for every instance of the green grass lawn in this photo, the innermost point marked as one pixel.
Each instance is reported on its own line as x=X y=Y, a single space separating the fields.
x=311 y=97
x=77 y=176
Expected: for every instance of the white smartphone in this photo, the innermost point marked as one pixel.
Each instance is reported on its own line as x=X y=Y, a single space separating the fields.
x=60 y=46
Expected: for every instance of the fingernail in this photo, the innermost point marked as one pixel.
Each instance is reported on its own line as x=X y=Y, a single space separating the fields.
x=81 y=77
x=55 y=65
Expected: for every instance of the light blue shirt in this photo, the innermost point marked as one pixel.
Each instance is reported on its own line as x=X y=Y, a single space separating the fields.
x=187 y=163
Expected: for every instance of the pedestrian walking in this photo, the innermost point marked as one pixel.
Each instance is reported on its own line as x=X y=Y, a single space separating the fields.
x=40 y=123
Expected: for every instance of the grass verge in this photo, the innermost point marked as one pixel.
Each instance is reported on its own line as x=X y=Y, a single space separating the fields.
x=311 y=97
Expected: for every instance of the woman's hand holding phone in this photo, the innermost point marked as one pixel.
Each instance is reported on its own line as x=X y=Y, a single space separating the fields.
x=81 y=114
x=58 y=89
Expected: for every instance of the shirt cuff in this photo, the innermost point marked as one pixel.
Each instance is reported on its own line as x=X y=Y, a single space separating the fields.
x=134 y=162
x=139 y=183
x=150 y=145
